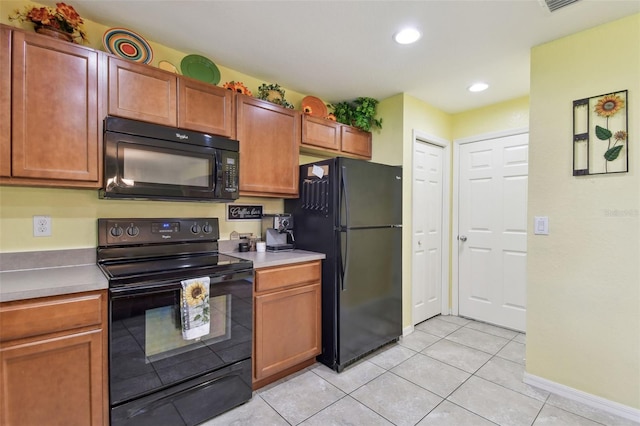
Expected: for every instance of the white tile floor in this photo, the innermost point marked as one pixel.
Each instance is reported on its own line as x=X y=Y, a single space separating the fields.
x=449 y=371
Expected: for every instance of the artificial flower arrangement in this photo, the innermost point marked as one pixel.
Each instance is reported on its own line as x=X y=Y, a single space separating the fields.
x=63 y=18
x=237 y=86
x=274 y=94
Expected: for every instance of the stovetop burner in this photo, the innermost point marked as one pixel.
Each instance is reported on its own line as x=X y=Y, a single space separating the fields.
x=136 y=251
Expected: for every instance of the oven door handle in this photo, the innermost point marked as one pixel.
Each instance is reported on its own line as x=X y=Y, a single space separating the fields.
x=207 y=380
x=158 y=287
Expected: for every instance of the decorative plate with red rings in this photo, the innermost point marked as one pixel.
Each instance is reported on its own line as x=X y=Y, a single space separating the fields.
x=127 y=45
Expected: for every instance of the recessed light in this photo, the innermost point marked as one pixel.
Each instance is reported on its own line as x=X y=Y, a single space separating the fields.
x=478 y=87
x=407 y=36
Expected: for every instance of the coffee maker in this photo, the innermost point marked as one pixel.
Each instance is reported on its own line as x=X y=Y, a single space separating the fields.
x=277 y=231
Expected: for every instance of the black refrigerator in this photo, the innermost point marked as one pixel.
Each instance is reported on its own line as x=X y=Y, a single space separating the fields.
x=351 y=210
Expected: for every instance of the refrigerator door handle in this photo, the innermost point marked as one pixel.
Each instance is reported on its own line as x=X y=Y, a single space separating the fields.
x=344 y=196
x=344 y=258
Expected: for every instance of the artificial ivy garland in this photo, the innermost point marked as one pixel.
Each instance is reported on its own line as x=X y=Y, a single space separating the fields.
x=265 y=90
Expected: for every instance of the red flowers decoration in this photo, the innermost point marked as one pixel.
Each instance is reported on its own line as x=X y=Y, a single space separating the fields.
x=63 y=18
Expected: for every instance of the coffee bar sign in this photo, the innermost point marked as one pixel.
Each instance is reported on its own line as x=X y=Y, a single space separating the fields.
x=243 y=212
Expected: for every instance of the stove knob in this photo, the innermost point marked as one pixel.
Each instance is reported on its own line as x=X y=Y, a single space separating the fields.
x=195 y=228
x=207 y=228
x=133 y=231
x=116 y=231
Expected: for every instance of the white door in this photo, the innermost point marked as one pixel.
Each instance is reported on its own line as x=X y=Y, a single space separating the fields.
x=492 y=230
x=427 y=231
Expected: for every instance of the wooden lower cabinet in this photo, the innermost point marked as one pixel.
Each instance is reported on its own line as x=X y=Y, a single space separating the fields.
x=53 y=361
x=287 y=321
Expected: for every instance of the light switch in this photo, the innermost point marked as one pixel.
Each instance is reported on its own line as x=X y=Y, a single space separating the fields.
x=541 y=225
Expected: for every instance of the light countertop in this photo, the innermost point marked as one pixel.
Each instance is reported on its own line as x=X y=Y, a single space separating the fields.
x=33 y=283
x=266 y=259
x=40 y=274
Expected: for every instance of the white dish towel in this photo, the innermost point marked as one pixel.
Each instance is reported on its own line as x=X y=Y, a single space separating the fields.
x=195 y=308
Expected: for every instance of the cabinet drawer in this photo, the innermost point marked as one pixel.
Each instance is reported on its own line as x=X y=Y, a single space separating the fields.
x=287 y=275
x=49 y=315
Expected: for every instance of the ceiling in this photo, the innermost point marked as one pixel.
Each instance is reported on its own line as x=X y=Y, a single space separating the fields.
x=339 y=50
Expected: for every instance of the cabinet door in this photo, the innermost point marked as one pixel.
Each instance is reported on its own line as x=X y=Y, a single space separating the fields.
x=320 y=132
x=205 y=108
x=287 y=329
x=356 y=142
x=5 y=101
x=269 y=136
x=56 y=381
x=55 y=104
x=141 y=92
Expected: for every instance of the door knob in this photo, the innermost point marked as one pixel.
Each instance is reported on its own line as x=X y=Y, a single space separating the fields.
x=419 y=243
x=462 y=238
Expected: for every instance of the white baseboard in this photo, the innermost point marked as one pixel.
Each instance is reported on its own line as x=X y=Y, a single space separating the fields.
x=407 y=330
x=593 y=401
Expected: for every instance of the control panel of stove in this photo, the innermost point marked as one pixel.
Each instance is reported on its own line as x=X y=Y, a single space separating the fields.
x=150 y=231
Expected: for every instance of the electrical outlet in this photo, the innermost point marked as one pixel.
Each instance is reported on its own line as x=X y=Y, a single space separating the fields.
x=42 y=226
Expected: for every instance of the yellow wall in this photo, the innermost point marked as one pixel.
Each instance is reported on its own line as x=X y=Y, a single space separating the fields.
x=74 y=212
x=512 y=114
x=387 y=142
x=583 y=316
x=416 y=116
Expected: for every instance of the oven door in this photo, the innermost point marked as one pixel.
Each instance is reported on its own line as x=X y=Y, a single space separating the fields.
x=156 y=374
x=139 y=167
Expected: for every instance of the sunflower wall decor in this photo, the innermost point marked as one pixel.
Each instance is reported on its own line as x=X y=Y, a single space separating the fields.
x=600 y=135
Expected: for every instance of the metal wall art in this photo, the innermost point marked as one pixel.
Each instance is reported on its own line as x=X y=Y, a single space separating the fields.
x=600 y=137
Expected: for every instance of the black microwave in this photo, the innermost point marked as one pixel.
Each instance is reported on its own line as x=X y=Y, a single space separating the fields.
x=154 y=162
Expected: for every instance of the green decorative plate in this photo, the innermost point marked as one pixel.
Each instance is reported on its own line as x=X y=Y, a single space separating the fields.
x=200 y=68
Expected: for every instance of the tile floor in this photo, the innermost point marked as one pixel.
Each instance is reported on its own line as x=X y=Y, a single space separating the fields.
x=449 y=371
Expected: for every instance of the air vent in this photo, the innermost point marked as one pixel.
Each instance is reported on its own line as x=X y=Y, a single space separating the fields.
x=554 y=5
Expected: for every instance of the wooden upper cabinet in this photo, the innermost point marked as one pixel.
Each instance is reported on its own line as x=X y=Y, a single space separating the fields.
x=205 y=108
x=5 y=101
x=269 y=138
x=140 y=92
x=333 y=138
x=320 y=132
x=356 y=142
x=56 y=130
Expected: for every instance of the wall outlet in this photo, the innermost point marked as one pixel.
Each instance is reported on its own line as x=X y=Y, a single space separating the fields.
x=42 y=226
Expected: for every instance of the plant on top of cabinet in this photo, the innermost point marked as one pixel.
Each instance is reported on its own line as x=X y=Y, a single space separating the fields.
x=62 y=22
x=359 y=113
x=274 y=94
